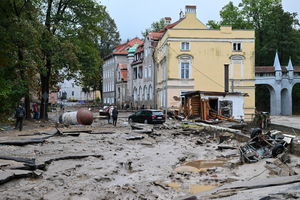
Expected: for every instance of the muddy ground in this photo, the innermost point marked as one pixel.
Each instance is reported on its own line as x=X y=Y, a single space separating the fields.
x=121 y=163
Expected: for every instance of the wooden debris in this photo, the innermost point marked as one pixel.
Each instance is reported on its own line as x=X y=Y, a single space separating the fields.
x=160 y=184
x=225 y=147
x=139 y=137
x=102 y=132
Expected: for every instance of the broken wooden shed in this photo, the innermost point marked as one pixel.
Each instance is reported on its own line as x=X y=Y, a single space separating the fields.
x=206 y=105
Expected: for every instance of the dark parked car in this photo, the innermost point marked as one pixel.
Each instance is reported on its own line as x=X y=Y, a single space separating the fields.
x=147 y=117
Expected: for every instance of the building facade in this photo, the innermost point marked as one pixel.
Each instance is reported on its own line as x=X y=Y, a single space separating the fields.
x=122 y=99
x=280 y=81
x=70 y=90
x=109 y=70
x=189 y=56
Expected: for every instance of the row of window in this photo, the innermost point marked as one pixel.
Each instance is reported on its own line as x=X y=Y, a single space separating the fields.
x=108 y=74
x=109 y=62
x=142 y=94
x=138 y=72
x=236 y=46
x=108 y=100
x=108 y=87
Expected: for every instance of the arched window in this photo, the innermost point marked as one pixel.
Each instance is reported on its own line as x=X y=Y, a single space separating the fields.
x=140 y=94
x=145 y=93
x=236 y=68
x=185 y=66
x=149 y=71
x=150 y=93
x=135 y=95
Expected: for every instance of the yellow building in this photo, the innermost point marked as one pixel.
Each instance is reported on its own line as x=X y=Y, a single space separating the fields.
x=190 y=56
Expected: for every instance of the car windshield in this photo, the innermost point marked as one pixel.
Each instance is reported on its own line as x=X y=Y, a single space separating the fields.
x=157 y=113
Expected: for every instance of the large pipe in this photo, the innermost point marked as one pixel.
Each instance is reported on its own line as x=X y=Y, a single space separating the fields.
x=82 y=116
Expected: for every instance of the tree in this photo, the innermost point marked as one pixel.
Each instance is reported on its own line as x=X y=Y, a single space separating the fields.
x=277 y=33
x=230 y=15
x=19 y=52
x=274 y=28
x=51 y=40
x=155 y=27
x=75 y=25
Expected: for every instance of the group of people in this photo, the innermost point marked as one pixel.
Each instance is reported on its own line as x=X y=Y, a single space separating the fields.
x=113 y=114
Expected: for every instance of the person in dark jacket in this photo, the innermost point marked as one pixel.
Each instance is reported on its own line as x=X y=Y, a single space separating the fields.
x=20 y=114
x=115 y=113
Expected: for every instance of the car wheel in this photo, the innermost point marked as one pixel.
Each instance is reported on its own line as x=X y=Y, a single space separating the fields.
x=146 y=121
x=278 y=149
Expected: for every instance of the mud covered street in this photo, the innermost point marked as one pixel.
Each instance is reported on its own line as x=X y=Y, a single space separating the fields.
x=101 y=161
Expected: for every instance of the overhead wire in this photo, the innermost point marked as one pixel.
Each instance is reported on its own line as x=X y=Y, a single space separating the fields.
x=193 y=66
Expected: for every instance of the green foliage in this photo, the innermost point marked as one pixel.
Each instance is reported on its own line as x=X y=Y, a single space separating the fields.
x=274 y=28
x=19 y=53
x=155 y=27
x=213 y=24
x=262 y=98
x=56 y=39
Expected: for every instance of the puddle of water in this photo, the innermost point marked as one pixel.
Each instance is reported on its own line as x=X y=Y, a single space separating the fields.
x=186 y=168
x=195 y=188
x=175 y=186
x=191 y=189
x=199 y=165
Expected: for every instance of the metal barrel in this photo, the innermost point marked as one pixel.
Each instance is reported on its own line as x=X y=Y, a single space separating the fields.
x=82 y=116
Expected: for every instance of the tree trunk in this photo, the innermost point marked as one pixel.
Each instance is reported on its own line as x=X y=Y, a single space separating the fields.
x=45 y=77
x=27 y=106
x=25 y=80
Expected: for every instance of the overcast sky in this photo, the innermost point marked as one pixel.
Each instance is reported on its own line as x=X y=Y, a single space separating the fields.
x=134 y=16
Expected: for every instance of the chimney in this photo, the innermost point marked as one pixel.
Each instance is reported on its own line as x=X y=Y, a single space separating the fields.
x=181 y=15
x=190 y=9
x=168 y=20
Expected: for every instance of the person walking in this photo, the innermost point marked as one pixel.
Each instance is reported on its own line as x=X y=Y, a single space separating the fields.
x=115 y=113
x=20 y=114
x=35 y=111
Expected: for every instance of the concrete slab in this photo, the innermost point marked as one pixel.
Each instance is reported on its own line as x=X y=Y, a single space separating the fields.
x=289 y=121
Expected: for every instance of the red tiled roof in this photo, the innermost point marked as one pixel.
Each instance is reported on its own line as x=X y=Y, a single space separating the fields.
x=155 y=35
x=262 y=69
x=170 y=26
x=270 y=69
x=122 y=48
x=168 y=18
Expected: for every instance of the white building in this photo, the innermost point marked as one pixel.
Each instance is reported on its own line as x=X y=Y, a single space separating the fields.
x=69 y=90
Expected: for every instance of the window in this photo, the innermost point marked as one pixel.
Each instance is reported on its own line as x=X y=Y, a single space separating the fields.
x=149 y=71
x=237 y=46
x=185 y=46
x=185 y=70
x=73 y=84
x=182 y=99
x=145 y=72
x=72 y=93
x=145 y=93
x=150 y=92
x=135 y=73
x=140 y=94
x=140 y=72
